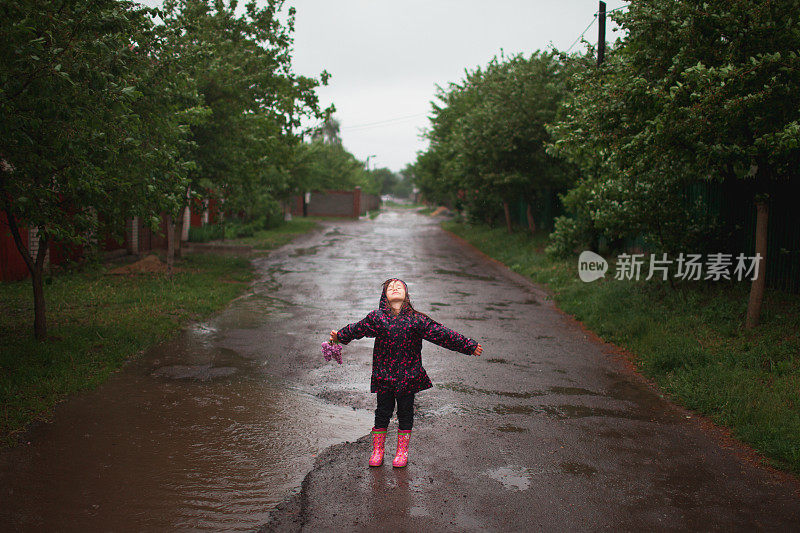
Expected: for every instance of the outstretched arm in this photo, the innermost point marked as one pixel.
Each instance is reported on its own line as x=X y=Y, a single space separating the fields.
x=367 y=327
x=447 y=338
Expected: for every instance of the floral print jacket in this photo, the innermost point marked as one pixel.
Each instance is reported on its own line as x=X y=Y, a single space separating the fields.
x=397 y=355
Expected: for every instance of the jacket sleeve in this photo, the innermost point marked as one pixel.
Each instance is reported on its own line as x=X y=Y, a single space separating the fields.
x=363 y=328
x=436 y=333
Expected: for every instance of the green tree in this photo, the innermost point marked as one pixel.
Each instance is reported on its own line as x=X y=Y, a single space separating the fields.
x=319 y=165
x=696 y=91
x=70 y=79
x=241 y=64
x=386 y=179
x=405 y=184
x=328 y=133
x=501 y=142
x=488 y=136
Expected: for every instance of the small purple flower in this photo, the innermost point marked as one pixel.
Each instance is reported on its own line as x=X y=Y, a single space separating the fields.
x=332 y=351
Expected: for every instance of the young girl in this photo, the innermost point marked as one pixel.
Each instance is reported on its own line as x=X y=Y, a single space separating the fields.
x=397 y=372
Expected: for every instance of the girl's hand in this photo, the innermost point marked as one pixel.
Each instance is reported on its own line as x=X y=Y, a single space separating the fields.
x=478 y=350
x=334 y=337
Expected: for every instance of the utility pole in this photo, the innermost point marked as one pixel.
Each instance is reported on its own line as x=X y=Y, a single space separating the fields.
x=601 y=38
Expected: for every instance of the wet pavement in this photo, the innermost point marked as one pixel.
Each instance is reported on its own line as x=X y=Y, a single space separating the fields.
x=548 y=430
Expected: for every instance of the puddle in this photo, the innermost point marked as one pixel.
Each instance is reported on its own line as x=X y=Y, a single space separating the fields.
x=466 y=389
x=565 y=412
x=271 y=301
x=299 y=252
x=190 y=436
x=441 y=410
x=578 y=469
x=513 y=409
x=194 y=372
x=633 y=392
x=517 y=478
x=572 y=391
x=508 y=428
x=278 y=269
x=253 y=311
x=440 y=304
x=463 y=274
x=204 y=328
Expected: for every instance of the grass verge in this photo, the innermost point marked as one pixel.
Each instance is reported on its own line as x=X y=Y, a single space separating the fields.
x=97 y=321
x=690 y=340
x=267 y=239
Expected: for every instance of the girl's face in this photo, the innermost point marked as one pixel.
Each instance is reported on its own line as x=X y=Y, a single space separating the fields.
x=395 y=291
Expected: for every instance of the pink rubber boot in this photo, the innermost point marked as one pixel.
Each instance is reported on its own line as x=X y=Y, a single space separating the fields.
x=378 y=446
x=401 y=457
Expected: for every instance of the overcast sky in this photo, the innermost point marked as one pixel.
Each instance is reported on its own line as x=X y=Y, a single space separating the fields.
x=386 y=58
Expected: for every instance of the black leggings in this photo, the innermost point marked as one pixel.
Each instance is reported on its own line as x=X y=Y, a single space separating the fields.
x=405 y=410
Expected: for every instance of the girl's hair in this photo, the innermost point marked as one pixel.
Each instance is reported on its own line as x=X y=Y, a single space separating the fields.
x=407 y=302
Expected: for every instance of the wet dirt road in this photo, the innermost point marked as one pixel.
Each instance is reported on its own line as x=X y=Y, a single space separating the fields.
x=547 y=430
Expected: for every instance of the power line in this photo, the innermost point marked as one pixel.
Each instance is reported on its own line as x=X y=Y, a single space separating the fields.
x=590 y=25
x=582 y=33
x=383 y=122
x=390 y=121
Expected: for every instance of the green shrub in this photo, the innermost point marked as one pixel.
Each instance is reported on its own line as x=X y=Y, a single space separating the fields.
x=208 y=232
